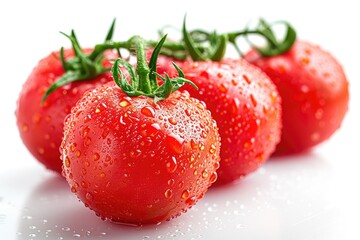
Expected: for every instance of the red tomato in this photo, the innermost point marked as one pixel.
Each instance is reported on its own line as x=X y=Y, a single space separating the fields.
x=314 y=92
x=41 y=125
x=246 y=106
x=133 y=161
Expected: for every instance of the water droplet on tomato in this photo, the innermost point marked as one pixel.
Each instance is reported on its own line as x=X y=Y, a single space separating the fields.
x=175 y=142
x=87 y=141
x=253 y=100
x=85 y=131
x=124 y=102
x=193 y=144
x=73 y=189
x=213 y=177
x=204 y=74
x=246 y=78
x=205 y=174
x=96 y=156
x=67 y=161
x=172 y=121
x=190 y=201
x=25 y=128
x=192 y=158
x=171 y=165
x=73 y=147
x=78 y=153
x=185 y=194
x=201 y=146
x=84 y=184
x=212 y=149
x=223 y=87
x=171 y=182
x=319 y=114
x=135 y=154
x=148 y=111
x=315 y=137
x=89 y=196
x=41 y=150
x=216 y=165
x=168 y=193
x=102 y=174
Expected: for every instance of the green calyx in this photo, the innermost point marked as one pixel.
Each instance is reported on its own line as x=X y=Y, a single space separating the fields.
x=143 y=80
x=82 y=66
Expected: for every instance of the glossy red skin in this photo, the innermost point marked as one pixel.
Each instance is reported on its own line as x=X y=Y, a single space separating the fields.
x=246 y=106
x=41 y=125
x=314 y=92
x=135 y=162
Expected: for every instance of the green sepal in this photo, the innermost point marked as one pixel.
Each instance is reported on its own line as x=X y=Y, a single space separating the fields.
x=81 y=66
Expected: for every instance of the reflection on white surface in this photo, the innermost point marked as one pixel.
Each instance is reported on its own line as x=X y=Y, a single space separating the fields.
x=292 y=198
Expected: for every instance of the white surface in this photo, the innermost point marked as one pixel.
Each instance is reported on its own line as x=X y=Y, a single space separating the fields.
x=312 y=196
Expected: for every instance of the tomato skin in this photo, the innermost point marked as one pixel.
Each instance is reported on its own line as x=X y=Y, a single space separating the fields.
x=41 y=125
x=246 y=106
x=135 y=162
x=315 y=94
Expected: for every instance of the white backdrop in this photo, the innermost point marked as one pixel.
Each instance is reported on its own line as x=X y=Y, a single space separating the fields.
x=311 y=196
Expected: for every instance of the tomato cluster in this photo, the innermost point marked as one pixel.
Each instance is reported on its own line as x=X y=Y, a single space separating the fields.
x=141 y=143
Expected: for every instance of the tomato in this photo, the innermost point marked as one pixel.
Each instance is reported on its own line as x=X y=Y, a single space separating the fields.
x=141 y=153
x=246 y=106
x=314 y=92
x=134 y=161
x=41 y=124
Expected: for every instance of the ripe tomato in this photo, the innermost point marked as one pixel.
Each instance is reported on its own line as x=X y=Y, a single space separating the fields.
x=133 y=161
x=41 y=124
x=246 y=106
x=314 y=92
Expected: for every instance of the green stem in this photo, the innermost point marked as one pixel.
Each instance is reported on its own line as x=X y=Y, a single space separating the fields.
x=142 y=68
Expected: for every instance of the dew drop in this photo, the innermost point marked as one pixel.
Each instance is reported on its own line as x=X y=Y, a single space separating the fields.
x=175 y=142
x=253 y=100
x=102 y=174
x=193 y=144
x=78 y=153
x=168 y=193
x=67 y=162
x=172 y=121
x=247 y=79
x=41 y=150
x=25 y=128
x=185 y=194
x=85 y=132
x=192 y=158
x=212 y=149
x=89 y=196
x=319 y=114
x=190 y=201
x=148 y=111
x=171 y=165
x=223 y=87
x=135 y=154
x=73 y=147
x=213 y=177
x=84 y=184
x=171 y=182
x=87 y=141
x=73 y=189
x=96 y=156
x=201 y=146
x=205 y=174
